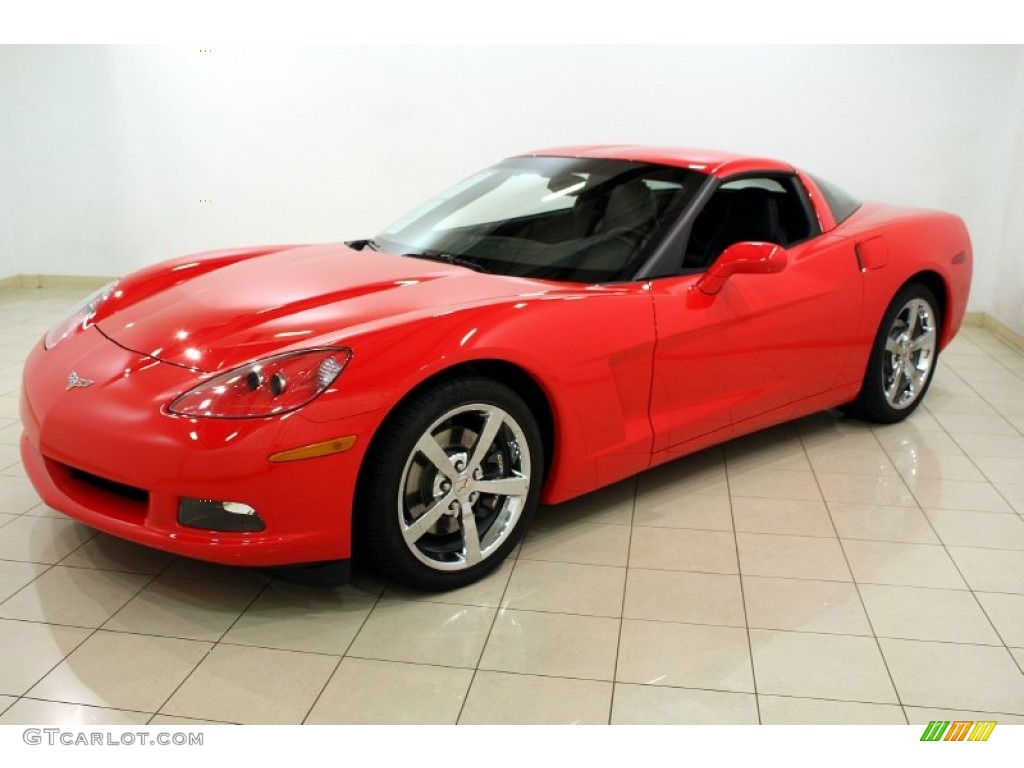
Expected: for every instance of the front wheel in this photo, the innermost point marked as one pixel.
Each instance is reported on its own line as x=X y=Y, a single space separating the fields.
x=450 y=484
x=903 y=358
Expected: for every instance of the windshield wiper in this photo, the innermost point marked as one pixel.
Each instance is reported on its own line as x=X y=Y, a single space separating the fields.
x=363 y=245
x=448 y=258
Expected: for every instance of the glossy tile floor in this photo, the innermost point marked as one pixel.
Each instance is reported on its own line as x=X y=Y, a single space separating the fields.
x=821 y=572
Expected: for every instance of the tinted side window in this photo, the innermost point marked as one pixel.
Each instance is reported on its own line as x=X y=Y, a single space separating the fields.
x=839 y=202
x=763 y=208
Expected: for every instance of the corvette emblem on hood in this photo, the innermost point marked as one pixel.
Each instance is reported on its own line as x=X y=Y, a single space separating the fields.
x=74 y=380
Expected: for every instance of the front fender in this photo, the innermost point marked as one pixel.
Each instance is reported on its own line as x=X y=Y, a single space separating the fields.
x=597 y=382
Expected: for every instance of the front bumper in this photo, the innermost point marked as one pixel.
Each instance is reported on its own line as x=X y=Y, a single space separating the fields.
x=110 y=456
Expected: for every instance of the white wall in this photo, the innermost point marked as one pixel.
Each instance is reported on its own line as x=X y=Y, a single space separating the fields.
x=9 y=169
x=1007 y=302
x=118 y=145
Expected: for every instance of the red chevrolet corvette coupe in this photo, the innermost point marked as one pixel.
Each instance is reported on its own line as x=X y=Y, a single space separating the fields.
x=552 y=324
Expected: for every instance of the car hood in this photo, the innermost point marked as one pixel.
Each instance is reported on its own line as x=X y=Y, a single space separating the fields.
x=268 y=302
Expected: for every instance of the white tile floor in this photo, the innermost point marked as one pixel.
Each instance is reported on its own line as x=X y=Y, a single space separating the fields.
x=824 y=571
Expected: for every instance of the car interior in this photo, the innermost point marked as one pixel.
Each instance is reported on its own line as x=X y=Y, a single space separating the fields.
x=761 y=209
x=600 y=232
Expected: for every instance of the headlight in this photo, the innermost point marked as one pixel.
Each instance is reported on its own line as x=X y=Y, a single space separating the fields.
x=79 y=317
x=267 y=387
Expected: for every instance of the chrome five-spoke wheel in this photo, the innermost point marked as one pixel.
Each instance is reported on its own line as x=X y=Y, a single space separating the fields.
x=903 y=358
x=464 y=486
x=911 y=346
x=450 y=483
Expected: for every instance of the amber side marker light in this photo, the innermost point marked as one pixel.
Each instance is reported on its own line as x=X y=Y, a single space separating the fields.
x=326 y=448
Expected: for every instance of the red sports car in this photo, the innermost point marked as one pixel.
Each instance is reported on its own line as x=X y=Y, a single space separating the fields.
x=551 y=325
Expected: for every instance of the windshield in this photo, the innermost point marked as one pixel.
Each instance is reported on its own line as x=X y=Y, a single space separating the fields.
x=553 y=218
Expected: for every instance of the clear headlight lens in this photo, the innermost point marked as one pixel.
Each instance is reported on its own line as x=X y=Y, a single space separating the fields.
x=267 y=387
x=79 y=318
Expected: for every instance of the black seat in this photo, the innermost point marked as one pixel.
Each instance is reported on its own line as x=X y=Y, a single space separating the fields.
x=630 y=205
x=617 y=225
x=750 y=214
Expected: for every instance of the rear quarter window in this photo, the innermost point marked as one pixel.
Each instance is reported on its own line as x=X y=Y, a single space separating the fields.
x=840 y=202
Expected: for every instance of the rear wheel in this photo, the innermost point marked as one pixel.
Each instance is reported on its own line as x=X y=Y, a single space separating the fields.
x=450 y=484
x=903 y=358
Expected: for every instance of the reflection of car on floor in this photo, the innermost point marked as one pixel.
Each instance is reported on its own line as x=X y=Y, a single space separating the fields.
x=551 y=325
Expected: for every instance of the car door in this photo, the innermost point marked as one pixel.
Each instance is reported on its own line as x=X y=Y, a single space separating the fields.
x=764 y=346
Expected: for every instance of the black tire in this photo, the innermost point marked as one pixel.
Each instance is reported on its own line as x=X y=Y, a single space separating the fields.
x=903 y=358
x=399 y=485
